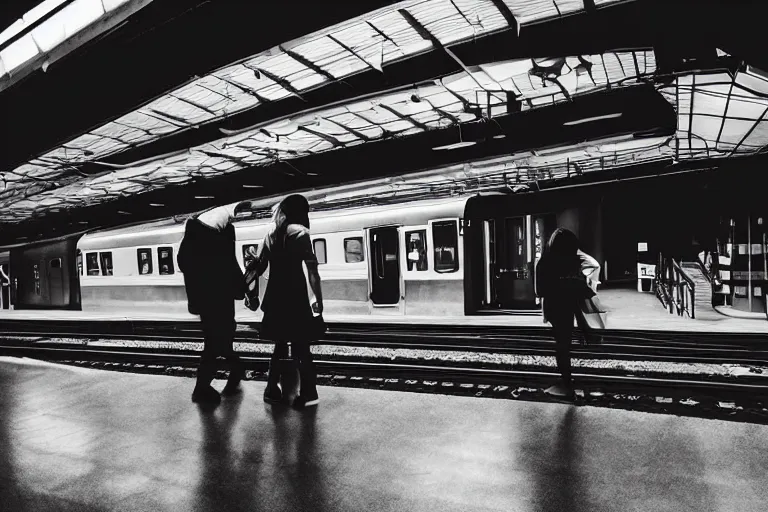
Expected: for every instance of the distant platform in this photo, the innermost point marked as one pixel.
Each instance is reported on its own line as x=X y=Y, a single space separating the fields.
x=627 y=309
x=90 y=440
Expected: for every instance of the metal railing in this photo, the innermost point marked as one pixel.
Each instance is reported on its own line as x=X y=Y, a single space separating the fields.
x=675 y=288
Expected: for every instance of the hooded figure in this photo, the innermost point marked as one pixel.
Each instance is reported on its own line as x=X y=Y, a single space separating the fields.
x=213 y=281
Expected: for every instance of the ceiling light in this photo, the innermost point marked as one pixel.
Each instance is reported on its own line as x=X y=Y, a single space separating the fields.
x=455 y=146
x=253 y=186
x=156 y=204
x=205 y=197
x=593 y=119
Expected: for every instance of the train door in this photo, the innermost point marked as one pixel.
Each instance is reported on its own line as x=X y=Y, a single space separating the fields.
x=57 y=289
x=384 y=266
x=5 y=281
x=512 y=247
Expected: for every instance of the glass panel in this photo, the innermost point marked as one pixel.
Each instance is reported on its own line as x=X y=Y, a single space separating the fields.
x=79 y=263
x=416 y=249
x=353 y=250
x=165 y=260
x=319 y=248
x=106 y=263
x=446 y=239
x=144 y=260
x=92 y=263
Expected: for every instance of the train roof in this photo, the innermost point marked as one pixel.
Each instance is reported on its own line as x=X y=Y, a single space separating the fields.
x=171 y=230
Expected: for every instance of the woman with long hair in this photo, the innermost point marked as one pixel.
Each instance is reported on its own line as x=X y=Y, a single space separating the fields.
x=562 y=284
x=288 y=314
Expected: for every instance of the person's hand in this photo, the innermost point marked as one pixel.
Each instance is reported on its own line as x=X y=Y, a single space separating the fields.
x=317 y=308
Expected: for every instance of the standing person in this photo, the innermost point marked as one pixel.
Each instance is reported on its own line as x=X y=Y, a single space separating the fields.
x=213 y=281
x=288 y=314
x=562 y=284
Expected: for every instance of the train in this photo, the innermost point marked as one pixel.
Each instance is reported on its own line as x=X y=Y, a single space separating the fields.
x=447 y=257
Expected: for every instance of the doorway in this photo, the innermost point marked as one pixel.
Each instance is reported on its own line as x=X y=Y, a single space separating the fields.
x=5 y=282
x=512 y=247
x=384 y=266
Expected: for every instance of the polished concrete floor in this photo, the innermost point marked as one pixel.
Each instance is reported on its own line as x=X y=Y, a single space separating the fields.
x=81 y=439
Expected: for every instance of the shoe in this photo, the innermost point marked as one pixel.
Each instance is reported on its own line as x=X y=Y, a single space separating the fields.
x=232 y=389
x=273 y=395
x=302 y=402
x=206 y=395
x=561 y=392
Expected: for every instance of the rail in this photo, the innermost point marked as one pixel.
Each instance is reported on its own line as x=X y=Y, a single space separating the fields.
x=675 y=288
x=693 y=347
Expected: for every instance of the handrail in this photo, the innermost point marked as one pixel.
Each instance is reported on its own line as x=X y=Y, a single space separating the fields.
x=675 y=288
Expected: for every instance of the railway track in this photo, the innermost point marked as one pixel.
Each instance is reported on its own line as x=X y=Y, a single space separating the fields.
x=741 y=349
x=608 y=381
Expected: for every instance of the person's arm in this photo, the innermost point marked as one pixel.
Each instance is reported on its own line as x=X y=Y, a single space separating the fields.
x=257 y=260
x=301 y=242
x=314 y=283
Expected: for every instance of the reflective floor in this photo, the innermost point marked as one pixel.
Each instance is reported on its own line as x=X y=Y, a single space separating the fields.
x=81 y=439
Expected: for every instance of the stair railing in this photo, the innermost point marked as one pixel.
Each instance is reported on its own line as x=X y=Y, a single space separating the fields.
x=675 y=288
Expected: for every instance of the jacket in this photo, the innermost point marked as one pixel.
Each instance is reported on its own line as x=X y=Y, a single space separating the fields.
x=212 y=276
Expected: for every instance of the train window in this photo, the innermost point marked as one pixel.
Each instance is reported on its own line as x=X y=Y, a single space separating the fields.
x=353 y=250
x=319 y=247
x=416 y=250
x=79 y=263
x=165 y=260
x=144 y=260
x=446 y=240
x=106 y=263
x=92 y=263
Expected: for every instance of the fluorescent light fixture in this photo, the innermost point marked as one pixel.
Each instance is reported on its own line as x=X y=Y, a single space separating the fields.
x=253 y=186
x=156 y=204
x=205 y=197
x=455 y=146
x=593 y=119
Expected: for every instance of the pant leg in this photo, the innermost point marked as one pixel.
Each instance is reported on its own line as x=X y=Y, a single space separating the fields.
x=207 y=369
x=562 y=327
x=279 y=352
x=307 y=370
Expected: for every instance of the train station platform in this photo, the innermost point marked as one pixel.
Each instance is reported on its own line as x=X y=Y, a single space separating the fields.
x=627 y=309
x=90 y=440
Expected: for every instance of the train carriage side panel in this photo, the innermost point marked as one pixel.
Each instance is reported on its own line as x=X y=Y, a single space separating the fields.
x=45 y=275
x=133 y=269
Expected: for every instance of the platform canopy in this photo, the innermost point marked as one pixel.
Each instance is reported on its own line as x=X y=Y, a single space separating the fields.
x=720 y=106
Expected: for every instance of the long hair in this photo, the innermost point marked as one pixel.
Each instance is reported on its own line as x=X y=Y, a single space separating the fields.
x=560 y=259
x=294 y=209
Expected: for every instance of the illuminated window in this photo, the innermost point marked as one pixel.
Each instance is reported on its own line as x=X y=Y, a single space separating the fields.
x=144 y=260
x=165 y=260
x=319 y=247
x=446 y=239
x=106 y=263
x=416 y=250
x=353 y=250
x=92 y=263
x=79 y=263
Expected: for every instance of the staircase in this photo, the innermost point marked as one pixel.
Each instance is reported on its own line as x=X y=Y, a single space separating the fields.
x=703 y=299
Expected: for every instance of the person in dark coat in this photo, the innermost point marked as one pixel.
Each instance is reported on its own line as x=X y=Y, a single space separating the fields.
x=213 y=281
x=562 y=284
x=289 y=314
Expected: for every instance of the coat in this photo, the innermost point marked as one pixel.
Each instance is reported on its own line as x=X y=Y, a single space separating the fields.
x=287 y=311
x=212 y=276
x=562 y=295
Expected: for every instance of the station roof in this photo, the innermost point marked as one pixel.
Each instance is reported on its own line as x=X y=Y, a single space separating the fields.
x=719 y=104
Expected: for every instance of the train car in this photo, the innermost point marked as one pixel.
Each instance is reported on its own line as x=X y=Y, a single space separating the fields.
x=440 y=258
x=384 y=260
x=40 y=275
